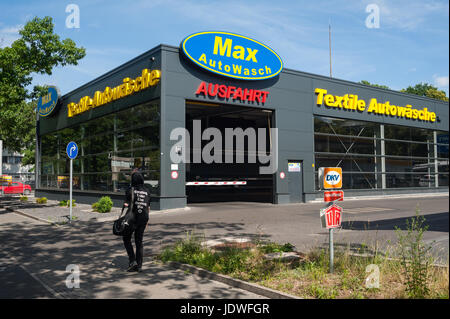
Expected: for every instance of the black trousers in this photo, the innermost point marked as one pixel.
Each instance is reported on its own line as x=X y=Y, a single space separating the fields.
x=138 y=236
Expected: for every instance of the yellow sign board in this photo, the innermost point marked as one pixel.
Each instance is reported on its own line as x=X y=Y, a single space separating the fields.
x=129 y=86
x=352 y=102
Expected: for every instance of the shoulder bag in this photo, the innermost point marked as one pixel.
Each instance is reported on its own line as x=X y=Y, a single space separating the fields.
x=125 y=225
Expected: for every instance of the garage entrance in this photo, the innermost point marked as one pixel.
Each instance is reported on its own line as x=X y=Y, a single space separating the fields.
x=234 y=174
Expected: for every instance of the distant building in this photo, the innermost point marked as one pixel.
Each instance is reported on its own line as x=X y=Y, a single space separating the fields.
x=12 y=165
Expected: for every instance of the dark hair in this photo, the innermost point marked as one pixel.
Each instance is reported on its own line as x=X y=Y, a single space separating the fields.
x=137 y=179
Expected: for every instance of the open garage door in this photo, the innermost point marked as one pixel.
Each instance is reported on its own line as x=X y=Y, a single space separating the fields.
x=227 y=144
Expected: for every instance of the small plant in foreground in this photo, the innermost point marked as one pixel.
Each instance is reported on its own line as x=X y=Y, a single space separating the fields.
x=23 y=198
x=104 y=205
x=41 y=200
x=67 y=203
x=415 y=257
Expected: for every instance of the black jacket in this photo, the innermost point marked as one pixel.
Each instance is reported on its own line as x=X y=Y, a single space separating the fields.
x=141 y=205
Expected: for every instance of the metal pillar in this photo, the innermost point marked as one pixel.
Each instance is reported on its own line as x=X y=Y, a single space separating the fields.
x=383 y=158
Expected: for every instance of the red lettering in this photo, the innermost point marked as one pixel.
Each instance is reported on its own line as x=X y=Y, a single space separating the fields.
x=264 y=96
x=201 y=89
x=257 y=95
x=248 y=95
x=222 y=91
x=230 y=90
x=212 y=93
x=238 y=94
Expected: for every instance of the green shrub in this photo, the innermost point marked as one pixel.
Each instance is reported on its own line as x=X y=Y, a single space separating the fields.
x=104 y=205
x=23 y=198
x=277 y=248
x=415 y=256
x=41 y=200
x=67 y=203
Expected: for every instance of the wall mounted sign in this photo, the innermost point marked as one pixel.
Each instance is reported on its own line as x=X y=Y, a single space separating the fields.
x=232 y=55
x=47 y=103
x=294 y=167
x=352 y=102
x=332 y=196
x=231 y=92
x=129 y=86
x=332 y=177
x=331 y=217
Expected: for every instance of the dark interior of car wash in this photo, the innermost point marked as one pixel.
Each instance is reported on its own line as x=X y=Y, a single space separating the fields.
x=218 y=171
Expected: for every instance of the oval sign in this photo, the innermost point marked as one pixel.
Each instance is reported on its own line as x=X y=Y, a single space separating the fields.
x=232 y=55
x=47 y=103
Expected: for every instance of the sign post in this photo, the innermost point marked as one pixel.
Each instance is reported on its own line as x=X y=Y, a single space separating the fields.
x=331 y=216
x=72 y=152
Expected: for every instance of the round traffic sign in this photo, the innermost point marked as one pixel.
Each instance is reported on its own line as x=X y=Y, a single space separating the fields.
x=72 y=150
x=174 y=175
x=282 y=175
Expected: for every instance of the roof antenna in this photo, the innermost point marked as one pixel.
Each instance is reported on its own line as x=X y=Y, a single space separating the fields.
x=329 y=40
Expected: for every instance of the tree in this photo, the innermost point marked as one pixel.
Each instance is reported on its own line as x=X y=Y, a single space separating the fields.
x=428 y=90
x=37 y=51
x=375 y=85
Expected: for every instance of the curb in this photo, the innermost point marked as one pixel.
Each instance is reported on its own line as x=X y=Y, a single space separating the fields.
x=390 y=196
x=9 y=209
x=236 y=283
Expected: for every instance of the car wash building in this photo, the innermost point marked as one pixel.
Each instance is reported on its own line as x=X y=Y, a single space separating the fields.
x=220 y=119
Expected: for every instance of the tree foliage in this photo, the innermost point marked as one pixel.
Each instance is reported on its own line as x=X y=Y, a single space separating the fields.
x=428 y=90
x=421 y=89
x=37 y=51
x=375 y=85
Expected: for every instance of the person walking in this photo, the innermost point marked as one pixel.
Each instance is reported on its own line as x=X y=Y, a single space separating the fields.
x=141 y=209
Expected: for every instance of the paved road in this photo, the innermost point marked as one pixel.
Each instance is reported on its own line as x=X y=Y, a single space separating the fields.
x=365 y=221
x=35 y=254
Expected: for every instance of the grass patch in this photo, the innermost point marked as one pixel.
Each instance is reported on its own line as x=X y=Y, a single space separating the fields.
x=307 y=277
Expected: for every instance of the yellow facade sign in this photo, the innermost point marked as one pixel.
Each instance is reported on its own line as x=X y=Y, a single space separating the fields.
x=352 y=102
x=129 y=86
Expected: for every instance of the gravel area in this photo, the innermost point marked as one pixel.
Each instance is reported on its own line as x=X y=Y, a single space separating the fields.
x=52 y=212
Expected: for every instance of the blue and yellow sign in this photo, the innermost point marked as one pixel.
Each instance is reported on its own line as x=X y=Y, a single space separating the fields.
x=232 y=55
x=47 y=103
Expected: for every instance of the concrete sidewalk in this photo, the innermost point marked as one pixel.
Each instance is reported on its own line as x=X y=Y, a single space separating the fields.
x=43 y=252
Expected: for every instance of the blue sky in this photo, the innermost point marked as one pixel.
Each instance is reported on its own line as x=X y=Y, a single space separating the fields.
x=410 y=46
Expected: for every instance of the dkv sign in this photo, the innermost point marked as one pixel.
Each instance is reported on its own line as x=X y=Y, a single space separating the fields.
x=332 y=177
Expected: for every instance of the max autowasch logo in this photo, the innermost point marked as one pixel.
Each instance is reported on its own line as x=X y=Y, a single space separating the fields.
x=232 y=55
x=47 y=103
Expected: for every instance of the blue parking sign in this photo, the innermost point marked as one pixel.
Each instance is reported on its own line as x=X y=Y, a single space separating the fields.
x=72 y=150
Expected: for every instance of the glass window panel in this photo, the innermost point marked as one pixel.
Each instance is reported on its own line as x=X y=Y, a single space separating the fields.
x=398 y=180
x=99 y=126
x=137 y=133
x=407 y=149
x=339 y=144
x=408 y=165
x=348 y=163
x=345 y=127
x=358 y=181
x=442 y=147
x=443 y=179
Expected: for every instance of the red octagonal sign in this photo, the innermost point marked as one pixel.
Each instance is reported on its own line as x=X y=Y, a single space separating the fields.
x=332 y=216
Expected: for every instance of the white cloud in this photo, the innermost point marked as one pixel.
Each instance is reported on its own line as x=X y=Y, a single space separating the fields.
x=9 y=34
x=441 y=81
